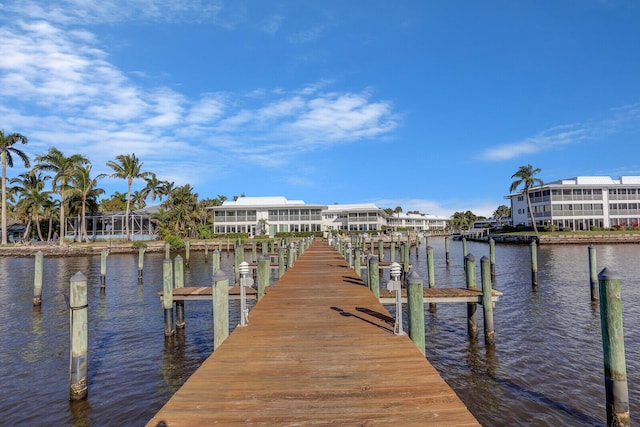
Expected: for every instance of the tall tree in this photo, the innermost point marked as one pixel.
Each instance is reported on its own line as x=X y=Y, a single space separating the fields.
x=85 y=187
x=155 y=188
x=63 y=167
x=129 y=167
x=8 y=150
x=526 y=178
x=33 y=199
x=502 y=211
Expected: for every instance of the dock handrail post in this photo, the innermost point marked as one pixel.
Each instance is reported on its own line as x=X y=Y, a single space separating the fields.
x=244 y=313
x=290 y=254
x=392 y=251
x=178 y=270
x=395 y=285
x=381 y=249
x=167 y=296
x=533 y=247
x=432 y=277
x=415 y=302
x=615 y=370
x=263 y=275
x=220 y=296
x=487 y=303
x=238 y=258
x=103 y=269
x=37 y=279
x=349 y=255
x=215 y=261
x=593 y=273
x=140 y=262
x=492 y=257
x=472 y=313
x=78 y=382
x=357 y=261
x=281 y=264
x=374 y=276
x=447 y=244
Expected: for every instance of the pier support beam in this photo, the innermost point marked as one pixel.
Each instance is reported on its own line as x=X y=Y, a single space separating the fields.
x=78 y=382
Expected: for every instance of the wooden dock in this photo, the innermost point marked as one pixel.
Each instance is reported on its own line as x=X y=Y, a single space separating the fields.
x=319 y=349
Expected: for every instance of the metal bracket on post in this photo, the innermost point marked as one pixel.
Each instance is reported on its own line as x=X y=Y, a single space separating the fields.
x=244 y=282
x=395 y=285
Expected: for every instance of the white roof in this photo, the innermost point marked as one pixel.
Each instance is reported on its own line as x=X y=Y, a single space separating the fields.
x=262 y=201
x=627 y=180
x=353 y=207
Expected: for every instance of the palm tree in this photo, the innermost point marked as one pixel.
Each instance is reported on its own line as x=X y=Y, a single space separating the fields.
x=84 y=187
x=129 y=167
x=155 y=188
x=502 y=211
x=525 y=175
x=63 y=167
x=33 y=198
x=8 y=150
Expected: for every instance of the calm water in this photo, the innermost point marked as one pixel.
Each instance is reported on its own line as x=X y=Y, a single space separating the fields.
x=546 y=368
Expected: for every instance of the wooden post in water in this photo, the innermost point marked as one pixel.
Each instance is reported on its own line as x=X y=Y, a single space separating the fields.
x=178 y=274
x=492 y=258
x=447 y=243
x=37 y=279
x=167 y=296
x=187 y=251
x=140 y=262
x=215 y=262
x=615 y=369
x=381 y=249
x=472 y=314
x=264 y=269
x=103 y=269
x=254 y=251
x=432 y=276
x=415 y=302
x=464 y=247
x=593 y=273
x=487 y=303
x=167 y=250
x=265 y=247
x=78 y=367
x=534 y=265
x=206 y=251
x=220 y=295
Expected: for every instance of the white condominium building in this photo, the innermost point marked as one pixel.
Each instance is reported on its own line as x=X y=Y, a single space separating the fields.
x=581 y=203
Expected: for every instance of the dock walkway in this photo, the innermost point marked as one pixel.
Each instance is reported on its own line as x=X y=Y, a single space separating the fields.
x=319 y=349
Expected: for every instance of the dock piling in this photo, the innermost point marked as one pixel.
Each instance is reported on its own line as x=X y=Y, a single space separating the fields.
x=593 y=273
x=487 y=304
x=615 y=370
x=103 y=269
x=78 y=367
x=167 y=296
x=264 y=269
x=220 y=296
x=415 y=302
x=178 y=275
x=37 y=279
x=534 y=265
x=472 y=307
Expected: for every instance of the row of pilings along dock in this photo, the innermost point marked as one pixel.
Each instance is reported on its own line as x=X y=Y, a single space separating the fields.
x=319 y=349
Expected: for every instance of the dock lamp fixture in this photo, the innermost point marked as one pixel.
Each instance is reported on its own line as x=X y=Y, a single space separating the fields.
x=244 y=282
x=395 y=285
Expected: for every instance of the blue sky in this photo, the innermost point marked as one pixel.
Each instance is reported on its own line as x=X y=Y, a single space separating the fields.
x=427 y=105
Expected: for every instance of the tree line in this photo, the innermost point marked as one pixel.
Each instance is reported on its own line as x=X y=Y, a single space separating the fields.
x=60 y=185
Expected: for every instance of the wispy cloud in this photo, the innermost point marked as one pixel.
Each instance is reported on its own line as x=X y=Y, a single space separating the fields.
x=57 y=82
x=549 y=139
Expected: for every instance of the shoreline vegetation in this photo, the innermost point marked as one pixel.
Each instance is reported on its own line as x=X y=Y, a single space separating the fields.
x=95 y=248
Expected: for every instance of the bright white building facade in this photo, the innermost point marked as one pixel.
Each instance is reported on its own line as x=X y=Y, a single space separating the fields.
x=271 y=215
x=581 y=203
x=418 y=222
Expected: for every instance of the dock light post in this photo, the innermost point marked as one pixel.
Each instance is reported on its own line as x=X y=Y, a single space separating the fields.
x=244 y=281
x=395 y=285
